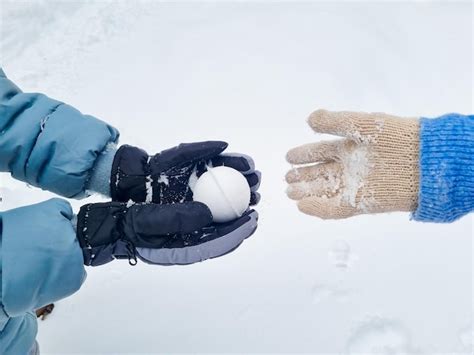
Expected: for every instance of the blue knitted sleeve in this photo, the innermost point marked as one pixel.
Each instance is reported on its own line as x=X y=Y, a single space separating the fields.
x=446 y=168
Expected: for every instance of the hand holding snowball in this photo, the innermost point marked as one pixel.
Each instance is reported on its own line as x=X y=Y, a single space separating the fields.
x=166 y=177
x=159 y=221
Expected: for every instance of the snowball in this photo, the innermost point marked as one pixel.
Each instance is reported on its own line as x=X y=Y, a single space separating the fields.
x=225 y=191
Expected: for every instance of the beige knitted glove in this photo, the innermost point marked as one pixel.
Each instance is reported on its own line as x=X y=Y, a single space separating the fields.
x=373 y=169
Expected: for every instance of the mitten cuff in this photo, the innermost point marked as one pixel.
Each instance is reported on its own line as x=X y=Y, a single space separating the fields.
x=99 y=180
x=446 y=168
x=99 y=232
x=130 y=174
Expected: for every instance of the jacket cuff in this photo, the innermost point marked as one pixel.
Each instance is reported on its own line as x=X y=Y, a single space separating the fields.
x=99 y=180
x=446 y=168
x=18 y=335
x=99 y=232
x=130 y=174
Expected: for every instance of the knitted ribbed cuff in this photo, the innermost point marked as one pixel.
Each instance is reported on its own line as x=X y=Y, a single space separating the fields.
x=446 y=168
x=99 y=180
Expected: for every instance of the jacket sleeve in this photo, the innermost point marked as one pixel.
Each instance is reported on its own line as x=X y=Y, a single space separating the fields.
x=446 y=168
x=41 y=261
x=47 y=143
x=18 y=335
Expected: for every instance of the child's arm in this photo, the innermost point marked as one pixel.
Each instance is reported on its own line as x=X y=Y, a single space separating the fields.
x=40 y=262
x=47 y=143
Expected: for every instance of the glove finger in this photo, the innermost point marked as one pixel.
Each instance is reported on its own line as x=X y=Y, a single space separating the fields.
x=153 y=220
x=318 y=187
x=319 y=152
x=254 y=198
x=186 y=153
x=218 y=240
x=355 y=125
x=309 y=173
x=322 y=180
x=327 y=208
x=240 y=162
x=254 y=180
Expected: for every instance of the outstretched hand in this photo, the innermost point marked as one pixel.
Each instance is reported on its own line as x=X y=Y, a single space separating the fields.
x=373 y=169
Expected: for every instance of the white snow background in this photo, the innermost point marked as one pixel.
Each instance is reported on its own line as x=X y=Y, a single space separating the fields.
x=250 y=73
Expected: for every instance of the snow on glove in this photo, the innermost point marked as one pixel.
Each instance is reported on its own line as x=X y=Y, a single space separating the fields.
x=373 y=169
x=171 y=234
x=167 y=177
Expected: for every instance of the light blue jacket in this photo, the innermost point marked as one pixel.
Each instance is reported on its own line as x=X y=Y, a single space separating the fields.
x=51 y=145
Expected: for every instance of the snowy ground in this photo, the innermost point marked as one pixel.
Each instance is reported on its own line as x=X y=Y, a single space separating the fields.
x=250 y=73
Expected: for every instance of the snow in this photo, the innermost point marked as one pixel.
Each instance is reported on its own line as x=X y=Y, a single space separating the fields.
x=149 y=189
x=163 y=179
x=340 y=254
x=466 y=336
x=193 y=179
x=356 y=168
x=225 y=191
x=380 y=336
x=250 y=73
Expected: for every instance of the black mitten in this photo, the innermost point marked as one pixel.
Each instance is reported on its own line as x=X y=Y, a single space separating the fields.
x=166 y=177
x=158 y=234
